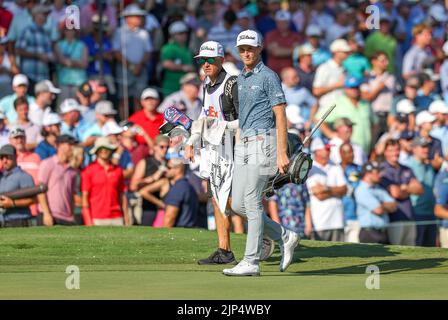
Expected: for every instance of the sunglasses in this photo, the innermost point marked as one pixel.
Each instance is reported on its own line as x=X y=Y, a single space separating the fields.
x=202 y=61
x=163 y=147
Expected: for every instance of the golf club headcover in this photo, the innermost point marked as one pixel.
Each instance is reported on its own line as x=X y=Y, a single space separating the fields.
x=176 y=117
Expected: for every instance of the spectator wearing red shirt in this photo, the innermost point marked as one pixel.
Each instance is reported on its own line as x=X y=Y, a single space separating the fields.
x=148 y=118
x=102 y=185
x=5 y=20
x=280 y=42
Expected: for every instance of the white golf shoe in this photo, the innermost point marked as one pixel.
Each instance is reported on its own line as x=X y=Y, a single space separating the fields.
x=243 y=268
x=287 y=250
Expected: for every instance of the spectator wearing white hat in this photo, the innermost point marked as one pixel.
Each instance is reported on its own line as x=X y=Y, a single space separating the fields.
x=133 y=46
x=303 y=62
x=45 y=93
x=281 y=42
x=439 y=109
x=298 y=95
x=225 y=32
x=20 y=85
x=424 y=122
x=330 y=77
x=32 y=131
x=51 y=130
x=176 y=58
x=4 y=131
x=327 y=185
x=321 y=54
x=70 y=115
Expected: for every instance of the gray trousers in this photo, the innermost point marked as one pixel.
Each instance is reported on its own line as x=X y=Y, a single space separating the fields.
x=255 y=162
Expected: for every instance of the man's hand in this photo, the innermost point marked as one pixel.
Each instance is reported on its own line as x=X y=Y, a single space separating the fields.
x=48 y=220
x=6 y=202
x=282 y=162
x=189 y=153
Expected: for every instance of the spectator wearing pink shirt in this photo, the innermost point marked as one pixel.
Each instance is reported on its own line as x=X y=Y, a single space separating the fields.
x=57 y=205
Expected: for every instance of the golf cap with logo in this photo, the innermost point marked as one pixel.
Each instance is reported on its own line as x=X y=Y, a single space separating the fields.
x=283 y=15
x=318 y=144
x=67 y=138
x=177 y=27
x=343 y=122
x=8 y=150
x=102 y=143
x=424 y=117
x=149 y=93
x=111 y=127
x=46 y=86
x=17 y=132
x=20 y=80
x=105 y=108
x=313 y=31
x=190 y=78
x=293 y=114
x=438 y=106
x=405 y=106
x=249 y=38
x=211 y=49
x=51 y=119
x=340 y=45
x=69 y=105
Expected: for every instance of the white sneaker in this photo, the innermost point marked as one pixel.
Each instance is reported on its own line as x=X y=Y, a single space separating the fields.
x=243 y=268
x=287 y=250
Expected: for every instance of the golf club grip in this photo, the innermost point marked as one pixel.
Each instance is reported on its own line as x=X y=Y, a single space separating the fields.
x=26 y=192
x=308 y=137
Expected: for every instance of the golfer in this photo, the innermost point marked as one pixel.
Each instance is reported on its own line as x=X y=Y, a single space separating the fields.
x=221 y=104
x=259 y=153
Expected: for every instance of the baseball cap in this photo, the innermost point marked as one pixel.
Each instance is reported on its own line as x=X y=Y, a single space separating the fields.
x=306 y=49
x=369 y=167
x=105 y=107
x=340 y=45
x=17 y=132
x=85 y=89
x=46 y=86
x=50 y=119
x=211 y=49
x=66 y=138
x=407 y=135
x=8 y=150
x=313 y=31
x=352 y=82
x=438 y=106
x=293 y=114
x=343 y=122
x=318 y=144
x=424 y=117
x=177 y=27
x=19 y=80
x=40 y=8
x=282 y=15
x=149 y=93
x=413 y=82
x=248 y=37
x=190 y=78
x=420 y=142
x=69 y=105
x=405 y=106
x=102 y=142
x=111 y=127
x=133 y=10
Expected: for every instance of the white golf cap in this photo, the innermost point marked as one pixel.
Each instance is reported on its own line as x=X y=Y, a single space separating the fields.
x=306 y=49
x=20 y=79
x=405 y=106
x=149 y=93
x=283 y=15
x=133 y=10
x=249 y=37
x=105 y=108
x=340 y=45
x=424 y=117
x=318 y=144
x=313 y=31
x=293 y=114
x=69 y=105
x=51 y=119
x=111 y=127
x=177 y=27
x=438 y=106
x=46 y=86
x=211 y=49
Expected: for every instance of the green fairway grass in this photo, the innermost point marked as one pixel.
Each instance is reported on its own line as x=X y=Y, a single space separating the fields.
x=147 y=263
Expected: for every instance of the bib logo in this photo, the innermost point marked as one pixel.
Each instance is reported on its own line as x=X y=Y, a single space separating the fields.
x=210 y=112
x=243 y=37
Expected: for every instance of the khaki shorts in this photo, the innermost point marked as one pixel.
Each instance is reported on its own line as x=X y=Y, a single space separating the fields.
x=351 y=231
x=443 y=237
x=108 y=222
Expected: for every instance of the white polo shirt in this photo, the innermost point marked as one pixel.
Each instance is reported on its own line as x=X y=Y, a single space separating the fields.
x=328 y=74
x=327 y=214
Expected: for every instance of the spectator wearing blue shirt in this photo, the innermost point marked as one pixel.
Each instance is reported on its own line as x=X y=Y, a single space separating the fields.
x=423 y=204
x=439 y=109
x=51 y=130
x=441 y=208
x=401 y=183
x=352 y=173
x=374 y=205
x=181 y=201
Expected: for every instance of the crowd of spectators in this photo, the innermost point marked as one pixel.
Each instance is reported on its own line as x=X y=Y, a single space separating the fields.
x=81 y=107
